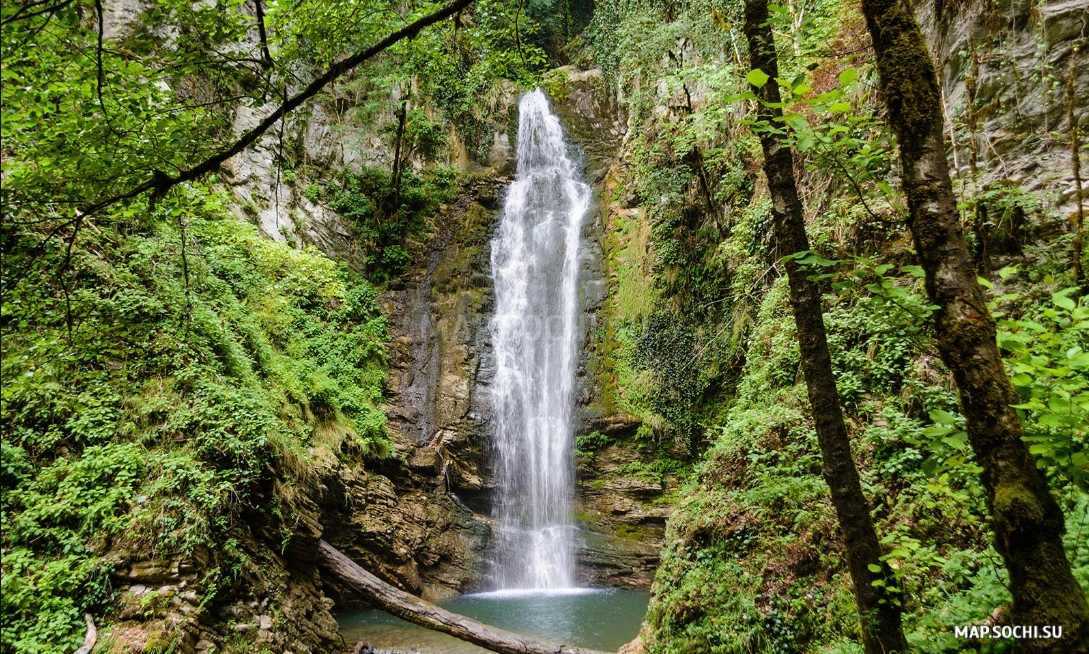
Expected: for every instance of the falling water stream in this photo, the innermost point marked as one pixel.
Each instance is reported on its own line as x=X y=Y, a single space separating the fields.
x=535 y=256
x=534 y=330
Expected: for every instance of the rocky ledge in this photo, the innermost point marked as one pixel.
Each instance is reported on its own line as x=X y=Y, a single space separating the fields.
x=622 y=513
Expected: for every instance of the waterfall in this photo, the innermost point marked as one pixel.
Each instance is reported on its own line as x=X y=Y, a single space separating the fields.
x=535 y=268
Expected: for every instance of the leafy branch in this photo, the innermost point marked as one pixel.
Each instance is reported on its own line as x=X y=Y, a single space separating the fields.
x=160 y=182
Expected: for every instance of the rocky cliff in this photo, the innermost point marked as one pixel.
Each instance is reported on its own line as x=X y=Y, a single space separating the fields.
x=419 y=518
x=1013 y=77
x=1014 y=74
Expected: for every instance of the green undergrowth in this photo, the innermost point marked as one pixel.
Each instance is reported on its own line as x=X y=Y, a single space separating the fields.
x=386 y=216
x=753 y=559
x=179 y=362
x=701 y=343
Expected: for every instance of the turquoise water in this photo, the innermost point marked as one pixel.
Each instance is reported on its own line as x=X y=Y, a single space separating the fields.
x=596 y=618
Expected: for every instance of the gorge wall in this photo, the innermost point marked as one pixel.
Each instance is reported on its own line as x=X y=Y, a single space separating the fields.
x=419 y=518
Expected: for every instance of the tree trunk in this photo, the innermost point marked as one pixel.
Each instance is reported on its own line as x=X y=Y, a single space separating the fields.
x=91 y=639
x=409 y=607
x=879 y=615
x=1075 y=164
x=399 y=156
x=1027 y=522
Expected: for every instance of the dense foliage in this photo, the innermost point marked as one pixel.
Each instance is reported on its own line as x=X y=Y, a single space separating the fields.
x=164 y=364
x=386 y=217
x=183 y=361
x=753 y=558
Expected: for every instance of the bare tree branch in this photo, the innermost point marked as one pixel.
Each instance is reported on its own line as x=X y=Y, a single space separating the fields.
x=856 y=187
x=265 y=54
x=101 y=74
x=19 y=15
x=160 y=182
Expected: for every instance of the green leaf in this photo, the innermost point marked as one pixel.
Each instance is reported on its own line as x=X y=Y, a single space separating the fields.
x=942 y=417
x=1061 y=300
x=958 y=441
x=840 y=108
x=848 y=76
x=935 y=431
x=1052 y=420
x=1022 y=380
x=757 y=78
x=811 y=259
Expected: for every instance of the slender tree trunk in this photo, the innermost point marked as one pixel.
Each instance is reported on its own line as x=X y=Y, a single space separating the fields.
x=1027 y=522
x=1075 y=164
x=879 y=615
x=399 y=155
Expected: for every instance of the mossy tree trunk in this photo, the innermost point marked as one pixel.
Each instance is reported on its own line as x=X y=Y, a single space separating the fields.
x=1027 y=522
x=880 y=617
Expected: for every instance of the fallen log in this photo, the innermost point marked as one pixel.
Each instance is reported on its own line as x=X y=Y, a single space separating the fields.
x=413 y=609
x=91 y=638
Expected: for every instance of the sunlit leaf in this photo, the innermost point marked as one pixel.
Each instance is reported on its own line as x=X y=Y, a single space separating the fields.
x=757 y=78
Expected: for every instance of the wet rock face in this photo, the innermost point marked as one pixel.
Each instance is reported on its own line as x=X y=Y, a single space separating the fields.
x=409 y=519
x=440 y=365
x=1009 y=67
x=590 y=114
x=622 y=518
x=591 y=118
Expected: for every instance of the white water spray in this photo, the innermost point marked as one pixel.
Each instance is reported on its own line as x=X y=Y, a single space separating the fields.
x=535 y=255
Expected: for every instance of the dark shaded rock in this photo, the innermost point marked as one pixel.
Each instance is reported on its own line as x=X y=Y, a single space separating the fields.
x=616 y=426
x=590 y=114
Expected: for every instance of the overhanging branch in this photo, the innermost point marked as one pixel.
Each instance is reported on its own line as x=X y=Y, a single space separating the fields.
x=160 y=182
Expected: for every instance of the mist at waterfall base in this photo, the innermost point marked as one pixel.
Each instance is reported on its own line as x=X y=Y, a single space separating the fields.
x=534 y=333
